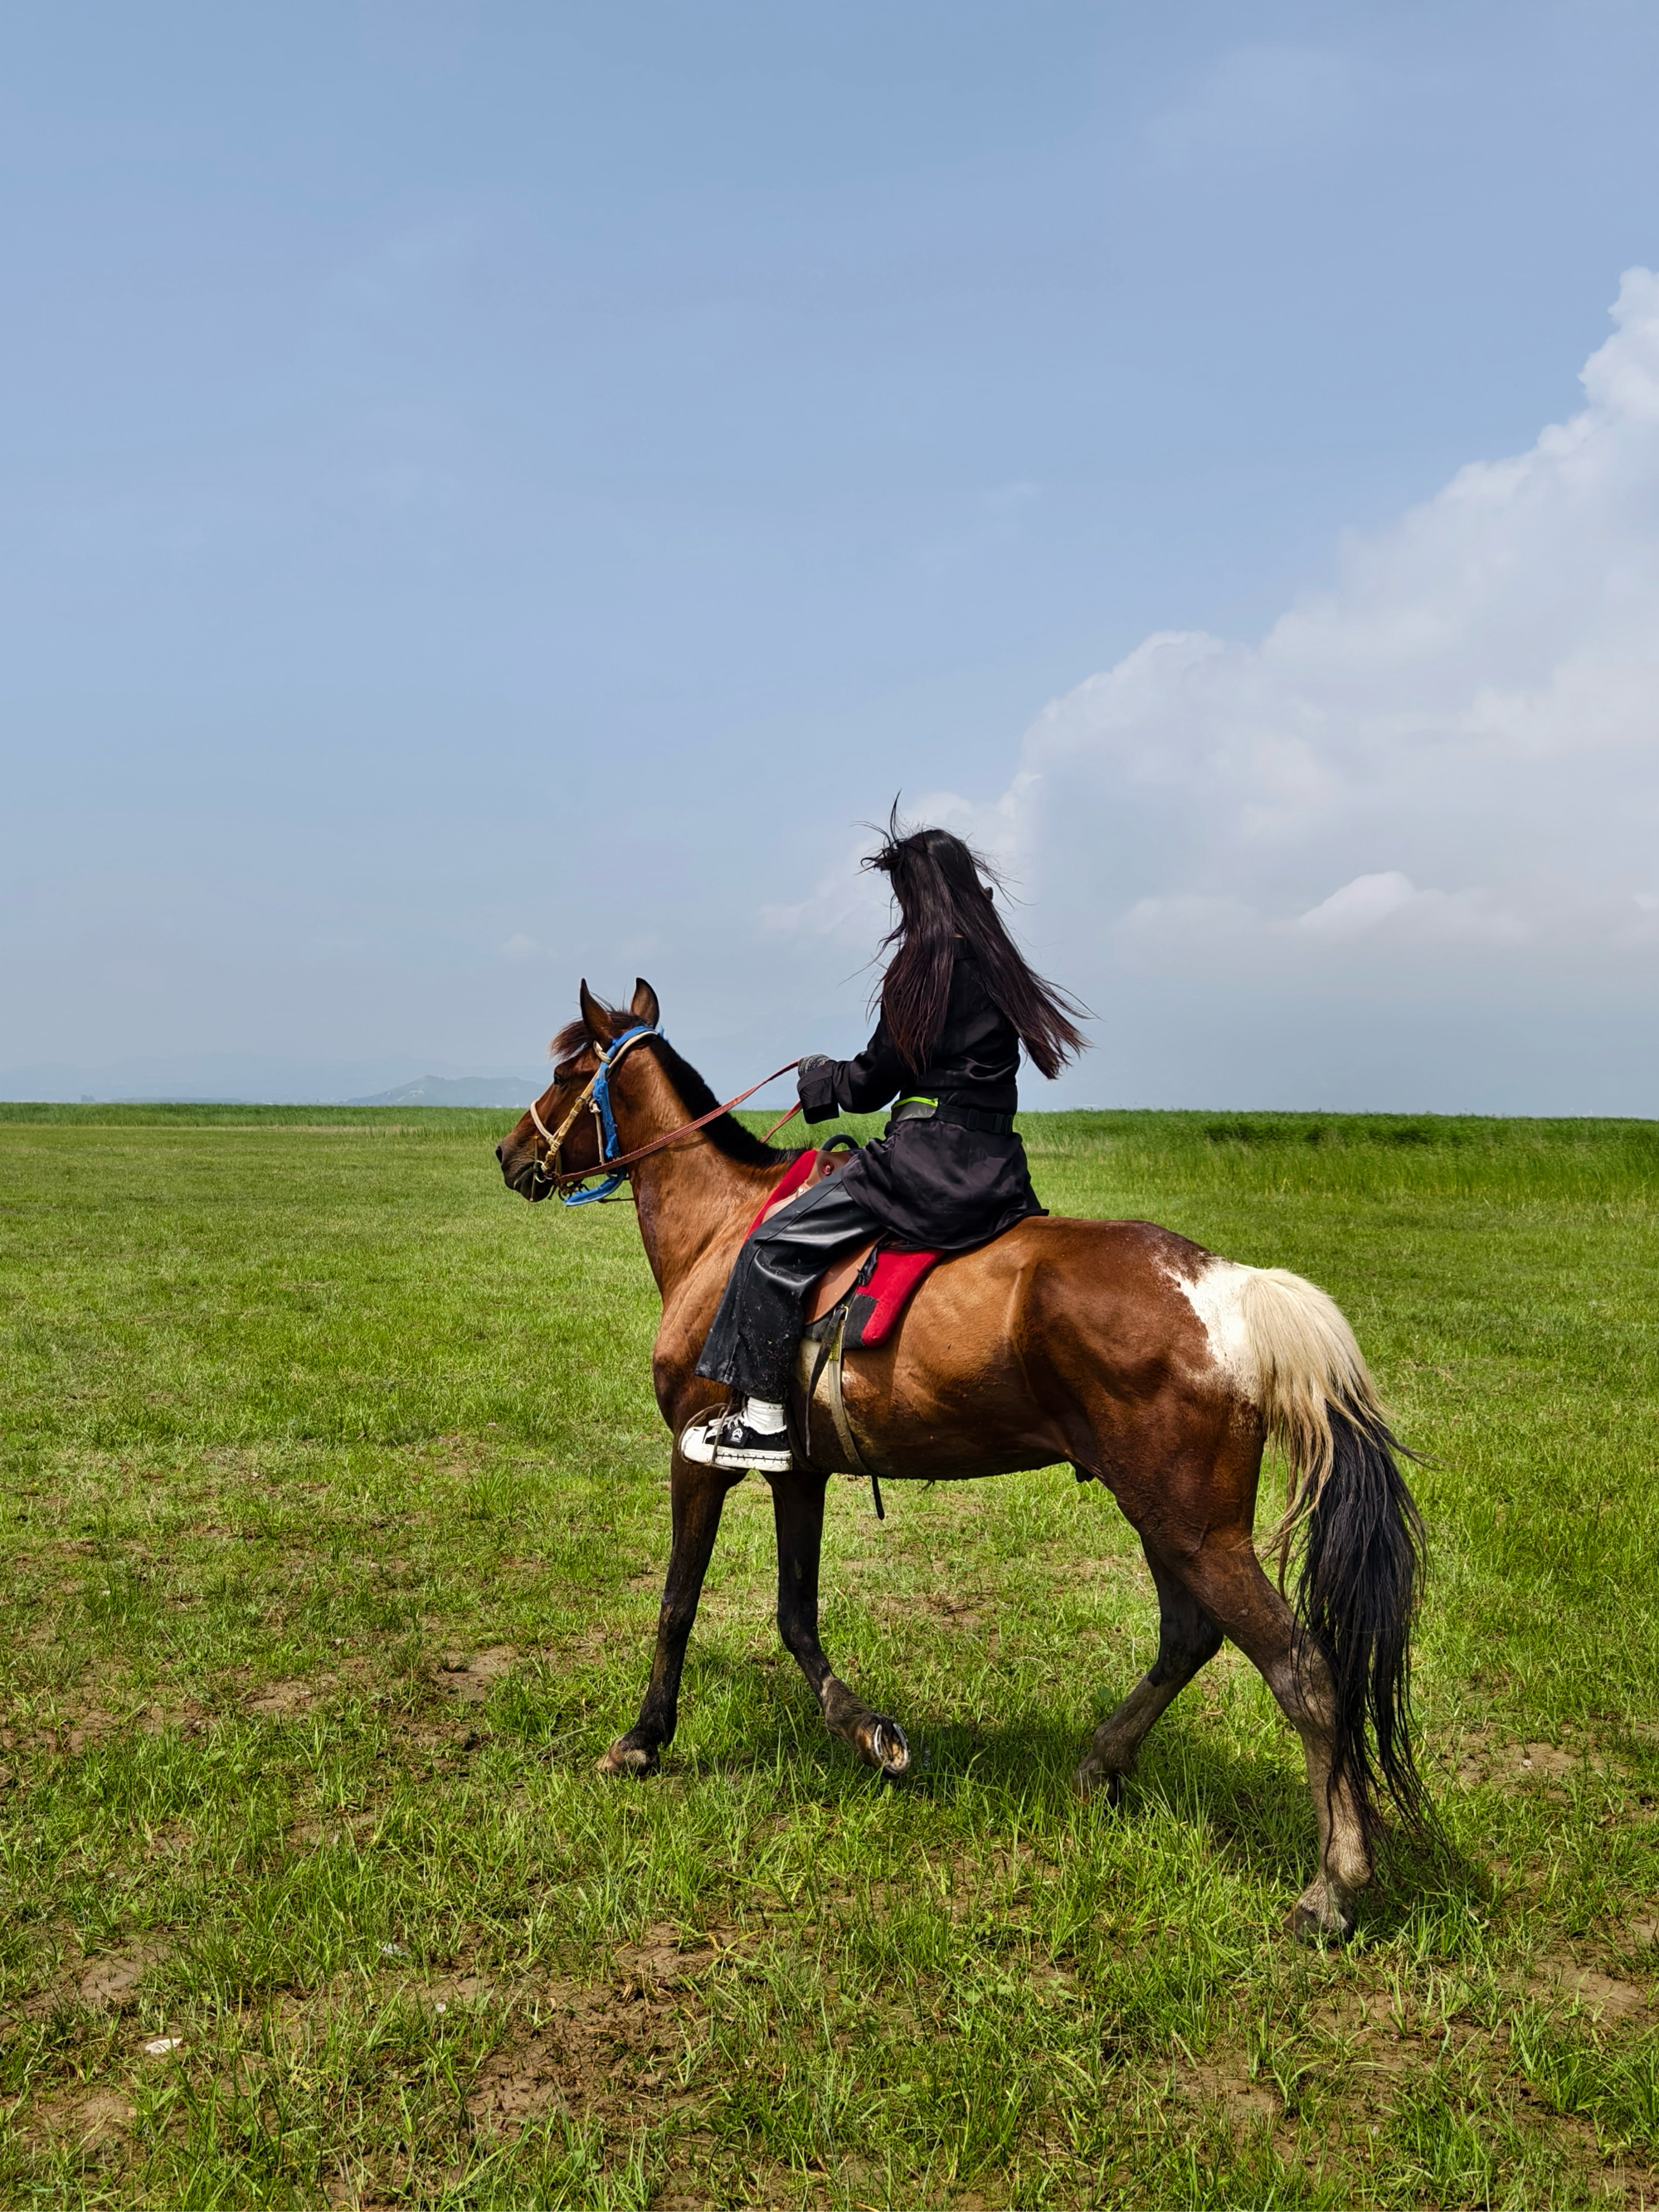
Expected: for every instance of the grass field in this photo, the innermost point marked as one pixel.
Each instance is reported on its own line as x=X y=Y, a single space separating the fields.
x=336 y=1511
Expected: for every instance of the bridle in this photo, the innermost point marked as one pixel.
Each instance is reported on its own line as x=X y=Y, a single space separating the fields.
x=596 y=1096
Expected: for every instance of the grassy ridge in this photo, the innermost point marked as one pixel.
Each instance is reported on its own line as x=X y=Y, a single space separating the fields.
x=337 y=1514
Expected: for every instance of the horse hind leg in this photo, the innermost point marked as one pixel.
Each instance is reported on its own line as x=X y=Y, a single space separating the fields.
x=1228 y=1580
x=1188 y=1639
x=798 y=1513
x=1222 y=1592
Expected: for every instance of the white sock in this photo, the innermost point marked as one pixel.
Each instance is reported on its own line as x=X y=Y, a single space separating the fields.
x=765 y=1418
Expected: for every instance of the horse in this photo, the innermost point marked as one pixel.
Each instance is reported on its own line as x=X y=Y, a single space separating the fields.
x=1142 y=1360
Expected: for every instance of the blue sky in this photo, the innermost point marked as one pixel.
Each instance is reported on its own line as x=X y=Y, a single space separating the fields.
x=490 y=494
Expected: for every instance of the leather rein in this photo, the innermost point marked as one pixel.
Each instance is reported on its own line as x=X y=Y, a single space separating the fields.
x=596 y=1096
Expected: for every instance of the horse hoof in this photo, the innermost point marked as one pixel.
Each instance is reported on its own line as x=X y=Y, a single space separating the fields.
x=625 y=1758
x=889 y=1751
x=1104 y=1782
x=1316 y=1920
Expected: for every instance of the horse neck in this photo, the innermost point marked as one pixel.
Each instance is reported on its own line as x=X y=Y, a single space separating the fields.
x=689 y=1193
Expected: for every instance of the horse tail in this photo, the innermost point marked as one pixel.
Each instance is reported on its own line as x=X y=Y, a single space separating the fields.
x=1353 y=1521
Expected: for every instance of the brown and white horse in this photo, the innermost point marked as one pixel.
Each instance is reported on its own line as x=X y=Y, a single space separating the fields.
x=1145 y=1362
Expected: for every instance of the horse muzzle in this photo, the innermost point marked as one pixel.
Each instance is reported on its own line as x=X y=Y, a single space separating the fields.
x=521 y=1172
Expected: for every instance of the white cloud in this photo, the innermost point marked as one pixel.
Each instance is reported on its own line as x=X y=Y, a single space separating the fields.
x=1430 y=795
x=1475 y=703
x=1360 y=905
x=1431 y=917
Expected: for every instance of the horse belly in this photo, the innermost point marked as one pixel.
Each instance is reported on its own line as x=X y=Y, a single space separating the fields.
x=946 y=1398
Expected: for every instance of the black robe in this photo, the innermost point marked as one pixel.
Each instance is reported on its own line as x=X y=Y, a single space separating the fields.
x=932 y=1185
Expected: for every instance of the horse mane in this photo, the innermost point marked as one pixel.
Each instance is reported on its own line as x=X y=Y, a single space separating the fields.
x=572 y=1039
x=726 y=1132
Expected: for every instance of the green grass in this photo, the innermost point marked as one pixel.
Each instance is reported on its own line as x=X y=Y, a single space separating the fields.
x=337 y=1510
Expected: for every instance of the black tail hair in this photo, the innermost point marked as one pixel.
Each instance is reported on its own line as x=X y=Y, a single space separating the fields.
x=1363 y=1561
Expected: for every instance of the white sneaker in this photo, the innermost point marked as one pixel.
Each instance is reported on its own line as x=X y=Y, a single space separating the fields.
x=726 y=1440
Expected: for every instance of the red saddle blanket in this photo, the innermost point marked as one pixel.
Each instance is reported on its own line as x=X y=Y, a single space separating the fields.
x=884 y=1284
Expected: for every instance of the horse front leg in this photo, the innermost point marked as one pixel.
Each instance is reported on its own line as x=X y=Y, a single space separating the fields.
x=797 y=1512
x=698 y=1495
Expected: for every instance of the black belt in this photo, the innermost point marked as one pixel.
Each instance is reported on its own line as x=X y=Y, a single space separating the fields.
x=960 y=1117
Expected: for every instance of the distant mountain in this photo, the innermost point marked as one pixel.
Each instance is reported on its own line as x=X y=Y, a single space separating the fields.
x=458 y=1090
x=264 y=1079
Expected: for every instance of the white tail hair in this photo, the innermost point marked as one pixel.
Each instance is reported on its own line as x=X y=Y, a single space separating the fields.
x=1306 y=1362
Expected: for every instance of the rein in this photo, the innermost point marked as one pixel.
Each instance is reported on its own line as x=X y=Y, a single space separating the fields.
x=596 y=1096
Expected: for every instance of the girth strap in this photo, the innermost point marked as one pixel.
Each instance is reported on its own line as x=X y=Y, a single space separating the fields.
x=827 y=1367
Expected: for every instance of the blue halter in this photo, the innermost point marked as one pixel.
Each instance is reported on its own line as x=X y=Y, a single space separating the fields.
x=601 y=1104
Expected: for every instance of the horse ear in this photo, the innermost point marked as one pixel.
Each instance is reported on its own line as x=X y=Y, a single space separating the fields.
x=643 y=1004
x=594 y=1015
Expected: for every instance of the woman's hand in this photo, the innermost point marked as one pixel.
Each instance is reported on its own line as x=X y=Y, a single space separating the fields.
x=815 y=1080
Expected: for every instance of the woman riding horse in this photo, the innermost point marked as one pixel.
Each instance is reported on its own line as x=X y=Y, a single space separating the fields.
x=1127 y=1352
x=958 y=1002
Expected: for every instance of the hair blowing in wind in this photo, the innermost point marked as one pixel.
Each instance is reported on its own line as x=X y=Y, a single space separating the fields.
x=945 y=901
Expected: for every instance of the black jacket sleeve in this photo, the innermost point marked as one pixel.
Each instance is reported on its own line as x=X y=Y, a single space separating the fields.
x=861 y=1085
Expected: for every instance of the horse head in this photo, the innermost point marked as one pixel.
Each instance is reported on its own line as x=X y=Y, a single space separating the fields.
x=577 y=1054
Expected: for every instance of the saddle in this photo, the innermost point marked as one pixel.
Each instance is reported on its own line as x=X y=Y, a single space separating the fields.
x=854 y=1305
x=881 y=1283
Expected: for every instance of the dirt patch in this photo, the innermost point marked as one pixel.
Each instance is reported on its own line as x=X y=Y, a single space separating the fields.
x=107 y=1982
x=71 y=1737
x=1553 y=1762
x=543 y=2073
x=1600 y=1995
x=1245 y=2103
x=189 y=1718
x=595 y=1642
x=111 y=1981
x=281 y=1700
x=971 y=1613
x=469 y=1681
x=661 y=1961
x=968 y=1613
x=168 y=1839
x=599 y=2050
x=93 y=2118
x=1484 y=1756
x=460 y=1989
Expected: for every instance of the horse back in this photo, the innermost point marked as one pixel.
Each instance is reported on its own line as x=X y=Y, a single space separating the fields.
x=1025 y=1351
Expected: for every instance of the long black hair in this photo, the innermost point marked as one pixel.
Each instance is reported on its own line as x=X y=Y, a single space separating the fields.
x=943 y=888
